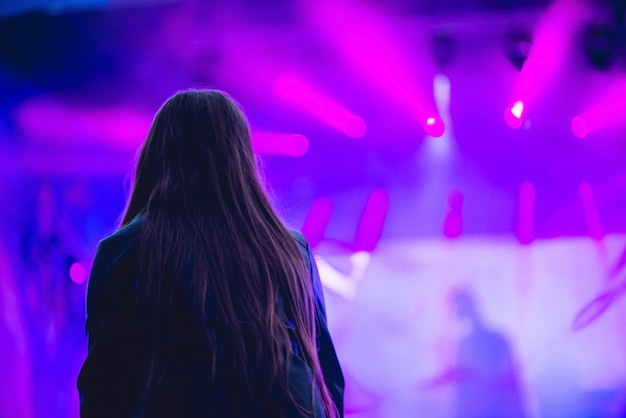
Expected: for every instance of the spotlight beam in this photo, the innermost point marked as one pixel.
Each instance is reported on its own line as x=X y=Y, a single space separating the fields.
x=608 y=111
x=372 y=221
x=294 y=90
x=274 y=143
x=369 y=42
x=552 y=41
x=317 y=220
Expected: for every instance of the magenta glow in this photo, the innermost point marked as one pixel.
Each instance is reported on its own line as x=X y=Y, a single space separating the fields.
x=608 y=111
x=77 y=273
x=434 y=126
x=369 y=42
x=580 y=127
x=552 y=41
x=372 y=221
x=296 y=91
x=274 y=143
x=49 y=120
x=317 y=220
x=513 y=116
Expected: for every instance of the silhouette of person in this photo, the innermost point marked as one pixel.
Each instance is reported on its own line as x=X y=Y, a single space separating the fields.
x=486 y=381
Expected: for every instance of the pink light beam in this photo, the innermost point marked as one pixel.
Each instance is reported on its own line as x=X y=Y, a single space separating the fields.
x=294 y=90
x=273 y=143
x=48 y=120
x=513 y=116
x=553 y=39
x=317 y=220
x=434 y=126
x=370 y=42
x=608 y=111
x=372 y=221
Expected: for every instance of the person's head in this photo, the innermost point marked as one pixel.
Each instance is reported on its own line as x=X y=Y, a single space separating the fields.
x=198 y=153
x=205 y=211
x=464 y=304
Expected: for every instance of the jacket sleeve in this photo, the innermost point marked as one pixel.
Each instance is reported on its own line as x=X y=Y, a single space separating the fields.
x=333 y=376
x=95 y=292
x=109 y=379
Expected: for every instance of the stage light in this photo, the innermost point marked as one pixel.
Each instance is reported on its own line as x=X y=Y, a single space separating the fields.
x=434 y=126
x=517 y=44
x=369 y=41
x=552 y=40
x=444 y=49
x=600 y=46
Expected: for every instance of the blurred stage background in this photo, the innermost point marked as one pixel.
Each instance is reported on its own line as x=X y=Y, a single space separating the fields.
x=459 y=167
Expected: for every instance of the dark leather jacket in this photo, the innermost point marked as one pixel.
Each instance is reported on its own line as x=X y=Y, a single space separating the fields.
x=110 y=378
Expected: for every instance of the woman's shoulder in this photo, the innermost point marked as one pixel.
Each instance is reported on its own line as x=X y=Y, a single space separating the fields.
x=302 y=242
x=118 y=242
x=114 y=270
